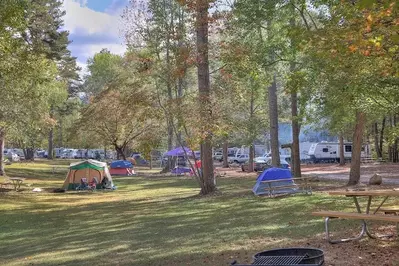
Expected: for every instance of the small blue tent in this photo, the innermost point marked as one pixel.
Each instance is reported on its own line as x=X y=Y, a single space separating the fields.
x=121 y=168
x=121 y=164
x=274 y=174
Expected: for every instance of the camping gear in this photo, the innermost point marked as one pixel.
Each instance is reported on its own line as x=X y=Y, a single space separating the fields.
x=121 y=168
x=288 y=257
x=88 y=169
x=180 y=151
x=274 y=174
x=180 y=170
x=179 y=156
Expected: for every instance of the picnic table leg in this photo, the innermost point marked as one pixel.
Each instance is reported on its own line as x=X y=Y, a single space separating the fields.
x=361 y=234
x=369 y=234
x=363 y=231
x=14 y=184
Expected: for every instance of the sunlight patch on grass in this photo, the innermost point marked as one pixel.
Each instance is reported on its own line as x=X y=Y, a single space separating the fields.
x=147 y=221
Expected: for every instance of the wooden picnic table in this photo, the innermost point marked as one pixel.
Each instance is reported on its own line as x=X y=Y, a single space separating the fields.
x=363 y=214
x=16 y=182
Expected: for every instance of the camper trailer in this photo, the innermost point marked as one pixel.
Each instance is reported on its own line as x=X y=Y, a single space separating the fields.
x=328 y=152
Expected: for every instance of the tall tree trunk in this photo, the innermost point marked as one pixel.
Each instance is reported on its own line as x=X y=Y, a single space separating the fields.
x=251 y=129
x=341 y=150
x=225 y=154
x=354 y=175
x=251 y=158
x=376 y=142
x=2 y=141
x=50 y=144
x=120 y=152
x=30 y=154
x=51 y=138
x=295 y=152
x=208 y=184
x=381 y=145
x=395 y=152
x=273 y=117
x=182 y=67
x=60 y=144
x=169 y=83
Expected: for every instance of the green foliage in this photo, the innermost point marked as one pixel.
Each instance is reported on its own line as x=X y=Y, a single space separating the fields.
x=104 y=67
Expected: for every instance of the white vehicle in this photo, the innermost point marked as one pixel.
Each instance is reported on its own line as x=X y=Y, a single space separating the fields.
x=267 y=156
x=329 y=152
x=58 y=152
x=218 y=156
x=239 y=158
x=11 y=155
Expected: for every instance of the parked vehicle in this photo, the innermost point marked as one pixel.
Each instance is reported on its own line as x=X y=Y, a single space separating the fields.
x=239 y=158
x=218 y=156
x=261 y=165
x=268 y=156
x=11 y=155
x=328 y=152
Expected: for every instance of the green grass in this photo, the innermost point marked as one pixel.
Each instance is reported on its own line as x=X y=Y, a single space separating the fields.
x=149 y=221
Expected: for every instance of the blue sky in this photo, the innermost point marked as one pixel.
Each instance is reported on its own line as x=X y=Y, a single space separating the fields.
x=94 y=25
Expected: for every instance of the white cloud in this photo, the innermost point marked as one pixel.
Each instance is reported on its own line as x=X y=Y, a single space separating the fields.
x=82 y=21
x=78 y=16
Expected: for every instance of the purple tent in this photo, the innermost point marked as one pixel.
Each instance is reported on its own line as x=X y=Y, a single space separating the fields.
x=178 y=152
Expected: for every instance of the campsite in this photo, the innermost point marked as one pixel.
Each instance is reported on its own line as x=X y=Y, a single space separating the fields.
x=151 y=217
x=199 y=132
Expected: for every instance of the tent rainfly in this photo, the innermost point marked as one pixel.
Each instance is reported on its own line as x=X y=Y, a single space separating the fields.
x=274 y=174
x=121 y=168
x=89 y=169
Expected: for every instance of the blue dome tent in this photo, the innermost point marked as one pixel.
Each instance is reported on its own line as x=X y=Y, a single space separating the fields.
x=274 y=174
x=121 y=168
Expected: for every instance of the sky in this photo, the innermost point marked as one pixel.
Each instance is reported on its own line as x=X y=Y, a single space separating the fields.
x=94 y=25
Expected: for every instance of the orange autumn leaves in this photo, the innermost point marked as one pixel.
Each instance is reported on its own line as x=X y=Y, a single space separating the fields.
x=377 y=31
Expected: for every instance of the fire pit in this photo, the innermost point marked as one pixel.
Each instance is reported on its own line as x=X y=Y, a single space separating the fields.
x=288 y=257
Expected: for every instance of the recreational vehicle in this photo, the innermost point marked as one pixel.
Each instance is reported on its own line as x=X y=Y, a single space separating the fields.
x=326 y=152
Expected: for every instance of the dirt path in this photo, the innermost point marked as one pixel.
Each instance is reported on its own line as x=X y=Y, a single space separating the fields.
x=388 y=171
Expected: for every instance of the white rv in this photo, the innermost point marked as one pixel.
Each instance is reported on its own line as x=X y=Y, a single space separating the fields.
x=324 y=152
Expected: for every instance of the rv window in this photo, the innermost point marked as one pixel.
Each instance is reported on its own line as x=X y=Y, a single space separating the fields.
x=348 y=148
x=325 y=149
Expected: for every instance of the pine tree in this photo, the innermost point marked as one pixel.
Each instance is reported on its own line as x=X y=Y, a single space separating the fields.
x=45 y=34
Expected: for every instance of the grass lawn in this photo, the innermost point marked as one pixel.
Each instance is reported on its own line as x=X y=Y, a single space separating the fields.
x=150 y=221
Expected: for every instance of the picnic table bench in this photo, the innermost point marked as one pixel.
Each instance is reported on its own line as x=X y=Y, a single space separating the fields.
x=15 y=181
x=363 y=216
x=287 y=186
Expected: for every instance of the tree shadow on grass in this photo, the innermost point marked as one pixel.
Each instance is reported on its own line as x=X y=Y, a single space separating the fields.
x=175 y=227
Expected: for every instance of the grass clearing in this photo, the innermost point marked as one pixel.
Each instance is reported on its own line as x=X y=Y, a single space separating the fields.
x=150 y=221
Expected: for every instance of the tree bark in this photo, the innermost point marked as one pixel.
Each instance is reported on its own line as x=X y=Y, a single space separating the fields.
x=381 y=145
x=50 y=144
x=30 y=154
x=2 y=141
x=341 y=150
x=376 y=142
x=51 y=138
x=225 y=154
x=60 y=144
x=120 y=152
x=273 y=115
x=395 y=152
x=295 y=152
x=354 y=175
x=251 y=158
x=208 y=184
